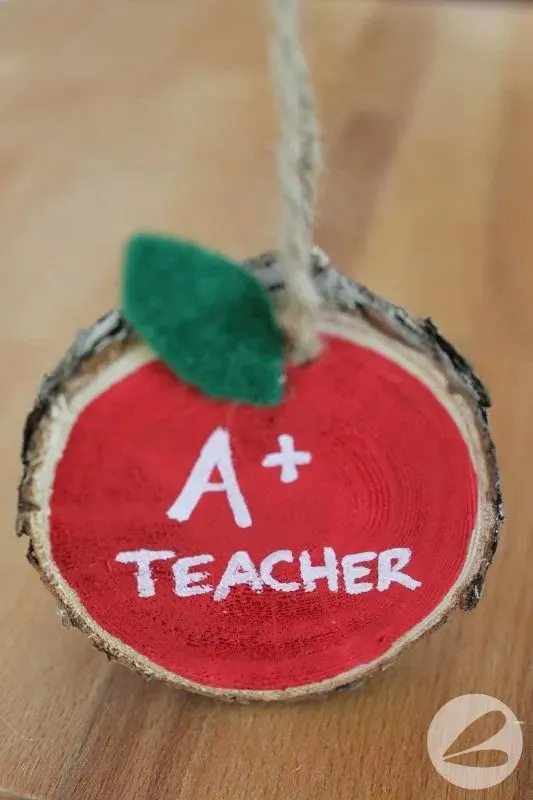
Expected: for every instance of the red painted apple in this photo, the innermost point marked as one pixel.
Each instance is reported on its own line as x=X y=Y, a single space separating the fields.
x=262 y=552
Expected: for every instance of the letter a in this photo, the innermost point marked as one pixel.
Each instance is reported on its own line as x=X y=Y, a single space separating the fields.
x=216 y=452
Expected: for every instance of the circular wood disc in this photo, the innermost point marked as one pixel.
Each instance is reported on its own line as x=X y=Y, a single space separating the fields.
x=264 y=553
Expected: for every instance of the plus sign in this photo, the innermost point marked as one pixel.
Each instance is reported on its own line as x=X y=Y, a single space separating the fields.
x=287 y=458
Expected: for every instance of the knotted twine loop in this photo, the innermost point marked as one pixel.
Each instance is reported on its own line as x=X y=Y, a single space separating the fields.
x=299 y=161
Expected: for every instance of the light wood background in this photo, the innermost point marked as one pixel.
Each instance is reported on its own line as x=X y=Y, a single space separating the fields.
x=120 y=114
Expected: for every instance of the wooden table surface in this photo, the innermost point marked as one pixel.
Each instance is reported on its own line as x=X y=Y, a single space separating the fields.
x=120 y=114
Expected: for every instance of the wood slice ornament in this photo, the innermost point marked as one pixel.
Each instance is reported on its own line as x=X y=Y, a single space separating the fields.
x=258 y=481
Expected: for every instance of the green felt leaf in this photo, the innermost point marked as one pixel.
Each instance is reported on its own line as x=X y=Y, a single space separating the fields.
x=206 y=317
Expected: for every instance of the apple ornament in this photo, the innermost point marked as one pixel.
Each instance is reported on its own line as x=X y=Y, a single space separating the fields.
x=217 y=517
x=259 y=480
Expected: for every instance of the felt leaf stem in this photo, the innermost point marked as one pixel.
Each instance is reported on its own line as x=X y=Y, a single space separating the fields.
x=206 y=317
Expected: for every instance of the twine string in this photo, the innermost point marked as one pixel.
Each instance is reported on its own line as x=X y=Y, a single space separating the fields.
x=299 y=161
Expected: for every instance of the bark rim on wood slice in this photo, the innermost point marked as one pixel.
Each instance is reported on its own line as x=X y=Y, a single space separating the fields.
x=345 y=304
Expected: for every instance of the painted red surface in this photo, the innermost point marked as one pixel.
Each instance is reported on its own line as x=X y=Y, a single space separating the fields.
x=389 y=469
